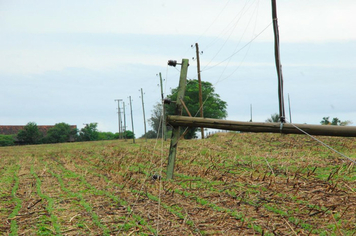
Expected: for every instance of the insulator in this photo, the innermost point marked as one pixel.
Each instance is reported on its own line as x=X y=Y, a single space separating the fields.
x=172 y=63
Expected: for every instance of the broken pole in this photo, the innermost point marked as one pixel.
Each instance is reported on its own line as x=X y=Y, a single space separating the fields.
x=176 y=129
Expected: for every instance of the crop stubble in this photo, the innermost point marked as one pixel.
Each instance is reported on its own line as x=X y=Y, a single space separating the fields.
x=228 y=184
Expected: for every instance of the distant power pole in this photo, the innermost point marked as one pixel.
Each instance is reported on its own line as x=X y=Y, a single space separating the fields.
x=144 y=116
x=164 y=127
x=119 y=115
x=200 y=89
x=124 y=129
x=251 y=112
x=290 y=112
x=132 y=124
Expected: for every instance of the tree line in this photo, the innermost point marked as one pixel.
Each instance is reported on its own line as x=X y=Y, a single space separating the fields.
x=59 y=133
x=325 y=121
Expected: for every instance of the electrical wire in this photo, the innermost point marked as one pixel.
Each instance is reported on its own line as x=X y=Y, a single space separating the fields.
x=233 y=28
x=248 y=48
x=233 y=54
x=324 y=144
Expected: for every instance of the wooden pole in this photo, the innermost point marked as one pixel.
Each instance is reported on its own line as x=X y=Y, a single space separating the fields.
x=278 y=62
x=176 y=129
x=144 y=115
x=119 y=116
x=327 y=130
x=290 y=112
x=132 y=124
x=200 y=89
x=164 y=127
x=124 y=129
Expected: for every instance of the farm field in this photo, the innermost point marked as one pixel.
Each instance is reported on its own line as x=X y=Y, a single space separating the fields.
x=228 y=184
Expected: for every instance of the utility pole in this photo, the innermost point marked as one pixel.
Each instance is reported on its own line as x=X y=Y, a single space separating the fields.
x=124 y=129
x=119 y=115
x=278 y=62
x=200 y=89
x=132 y=124
x=144 y=116
x=251 y=112
x=164 y=127
x=179 y=108
x=290 y=112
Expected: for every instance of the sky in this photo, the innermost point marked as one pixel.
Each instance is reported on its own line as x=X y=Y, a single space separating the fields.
x=67 y=61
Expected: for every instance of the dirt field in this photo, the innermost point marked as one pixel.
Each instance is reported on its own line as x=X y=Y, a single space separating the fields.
x=229 y=184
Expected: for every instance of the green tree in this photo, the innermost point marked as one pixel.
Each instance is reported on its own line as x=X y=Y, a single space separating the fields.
x=107 y=136
x=214 y=107
x=129 y=134
x=335 y=121
x=89 y=132
x=60 y=133
x=151 y=134
x=6 y=140
x=156 y=122
x=30 y=134
x=273 y=119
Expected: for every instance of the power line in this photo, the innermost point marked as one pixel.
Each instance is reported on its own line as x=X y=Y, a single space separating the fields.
x=249 y=42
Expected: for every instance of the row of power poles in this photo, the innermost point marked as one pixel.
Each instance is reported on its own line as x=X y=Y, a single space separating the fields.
x=121 y=112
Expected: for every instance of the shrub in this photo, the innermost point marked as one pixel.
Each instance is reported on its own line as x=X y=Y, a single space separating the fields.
x=6 y=140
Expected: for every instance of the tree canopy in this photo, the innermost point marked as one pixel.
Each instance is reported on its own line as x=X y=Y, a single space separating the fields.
x=213 y=106
x=61 y=132
x=89 y=132
x=335 y=121
x=30 y=134
x=274 y=118
x=156 y=122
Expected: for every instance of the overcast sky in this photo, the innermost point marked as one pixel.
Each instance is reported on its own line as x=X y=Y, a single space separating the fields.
x=67 y=61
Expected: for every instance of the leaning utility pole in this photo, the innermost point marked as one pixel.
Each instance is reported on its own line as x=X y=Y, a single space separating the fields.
x=200 y=89
x=132 y=124
x=164 y=127
x=119 y=115
x=282 y=115
x=179 y=109
x=144 y=116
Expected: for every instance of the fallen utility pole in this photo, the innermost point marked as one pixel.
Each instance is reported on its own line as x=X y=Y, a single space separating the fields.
x=179 y=109
x=327 y=130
